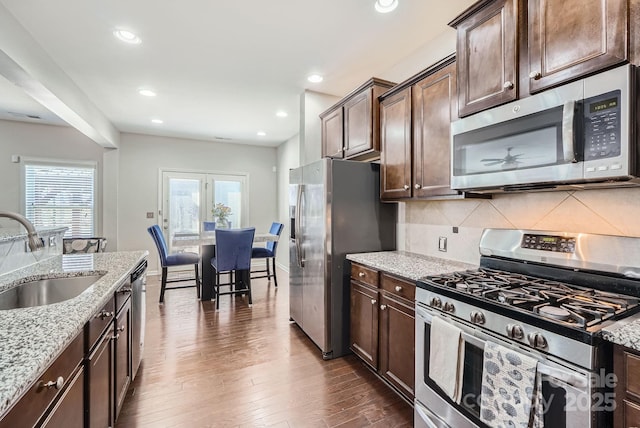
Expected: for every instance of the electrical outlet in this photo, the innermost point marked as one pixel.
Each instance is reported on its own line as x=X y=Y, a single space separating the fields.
x=52 y=241
x=149 y=214
x=442 y=244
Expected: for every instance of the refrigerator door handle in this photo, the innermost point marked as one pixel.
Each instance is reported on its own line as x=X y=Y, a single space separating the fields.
x=298 y=231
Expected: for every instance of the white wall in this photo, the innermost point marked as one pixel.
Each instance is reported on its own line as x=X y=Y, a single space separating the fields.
x=42 y=141
x=311 y=105
x=288 y=158
x=142 y=157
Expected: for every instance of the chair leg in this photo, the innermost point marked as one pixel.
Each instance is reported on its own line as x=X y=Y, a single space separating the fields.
x=163 y=284
x=197 y=280
x=268 y=271
x=248 y=284
x=275 y=278
x=216 y=289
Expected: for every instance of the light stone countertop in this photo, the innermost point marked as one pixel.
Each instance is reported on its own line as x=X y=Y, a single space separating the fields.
x=32 y=338
x=408 y=265
x=625 y=332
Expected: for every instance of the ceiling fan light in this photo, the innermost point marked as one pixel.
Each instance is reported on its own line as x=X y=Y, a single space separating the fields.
x=385 y=6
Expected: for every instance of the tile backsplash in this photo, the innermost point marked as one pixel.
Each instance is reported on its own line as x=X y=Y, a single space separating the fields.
x=604 y=211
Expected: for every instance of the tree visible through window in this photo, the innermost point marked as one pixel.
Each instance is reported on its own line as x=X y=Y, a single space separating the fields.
x=61 y=195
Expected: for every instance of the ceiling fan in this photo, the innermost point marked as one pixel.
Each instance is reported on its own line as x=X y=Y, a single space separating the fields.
x=508 y=162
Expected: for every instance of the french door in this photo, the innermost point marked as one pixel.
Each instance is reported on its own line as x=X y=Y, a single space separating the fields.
x=188 y=199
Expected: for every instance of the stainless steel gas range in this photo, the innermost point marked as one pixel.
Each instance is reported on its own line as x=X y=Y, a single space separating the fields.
x=545 y=296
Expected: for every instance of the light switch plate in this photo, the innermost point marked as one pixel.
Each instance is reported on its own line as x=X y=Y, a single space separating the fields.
x=442 y=243
x=150 y=214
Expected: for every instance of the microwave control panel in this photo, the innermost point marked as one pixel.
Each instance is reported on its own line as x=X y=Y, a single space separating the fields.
x=559 y=244
x=602 y=129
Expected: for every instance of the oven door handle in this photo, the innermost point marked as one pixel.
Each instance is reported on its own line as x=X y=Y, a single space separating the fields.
x=428 y=418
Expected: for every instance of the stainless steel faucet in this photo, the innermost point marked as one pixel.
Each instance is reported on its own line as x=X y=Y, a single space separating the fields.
x=35 y=242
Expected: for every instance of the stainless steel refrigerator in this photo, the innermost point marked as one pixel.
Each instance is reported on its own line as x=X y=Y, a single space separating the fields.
x=335 y=209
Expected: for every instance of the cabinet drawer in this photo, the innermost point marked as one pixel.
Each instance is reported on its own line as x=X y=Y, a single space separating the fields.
x=364 y=274
x=123 y=293
x=399 y=287
x=100 y=321
x=37 y=399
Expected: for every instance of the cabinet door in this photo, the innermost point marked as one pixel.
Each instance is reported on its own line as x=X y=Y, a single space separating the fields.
x=397 y=343
x=395 y=155
x=571 y=38
x=487 y=57
x=99 y=384
x=122 y=356
x=434 y=107
x=332 y=139
x=358 y=136
x=364 y=323
x=69 y=410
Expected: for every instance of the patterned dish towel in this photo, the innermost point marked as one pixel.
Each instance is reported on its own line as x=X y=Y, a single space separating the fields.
x=509 y=386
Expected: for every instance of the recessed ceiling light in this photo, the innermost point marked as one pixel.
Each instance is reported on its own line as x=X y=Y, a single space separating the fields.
x=127 y=37
x=158 y=121
x=315 y=78
x=282 y=114
x=147 y=92
x=384 y=6
x=261 y=133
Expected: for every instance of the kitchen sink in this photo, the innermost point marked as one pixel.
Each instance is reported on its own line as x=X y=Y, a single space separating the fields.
x=45 y=291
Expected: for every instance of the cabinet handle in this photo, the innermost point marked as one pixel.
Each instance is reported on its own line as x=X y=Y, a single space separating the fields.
x=104 y=314
x=398 y=288
x=361 y=274
x=123 y=328
x=535 y=75
x=417 y=186
x=383 y=307
x=116 y=337
x=406 y=187
x=373 y=301
x=508 y=85
x=57 y=384
x=125 y=290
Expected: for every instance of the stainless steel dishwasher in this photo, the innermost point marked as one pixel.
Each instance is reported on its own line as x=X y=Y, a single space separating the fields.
x=138 y=287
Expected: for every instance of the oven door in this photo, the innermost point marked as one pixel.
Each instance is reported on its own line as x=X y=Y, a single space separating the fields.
x=529 y=143
x=567 y=391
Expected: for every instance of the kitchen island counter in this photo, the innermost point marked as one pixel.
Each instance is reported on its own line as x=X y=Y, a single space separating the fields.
x=625 y=332
x=408 y=265
x=32 y=338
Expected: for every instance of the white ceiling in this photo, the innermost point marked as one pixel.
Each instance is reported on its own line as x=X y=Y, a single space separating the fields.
x=221 y=68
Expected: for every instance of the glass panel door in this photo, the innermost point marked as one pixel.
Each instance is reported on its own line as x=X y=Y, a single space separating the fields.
x=228 y=190
x=183 y=194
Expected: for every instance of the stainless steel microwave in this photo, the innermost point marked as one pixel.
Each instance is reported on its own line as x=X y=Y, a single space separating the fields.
x=579 y=135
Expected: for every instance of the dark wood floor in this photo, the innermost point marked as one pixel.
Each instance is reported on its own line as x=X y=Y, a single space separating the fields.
x=247 y=367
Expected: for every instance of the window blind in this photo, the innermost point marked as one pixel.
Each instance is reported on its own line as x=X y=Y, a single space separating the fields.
x=61 y=195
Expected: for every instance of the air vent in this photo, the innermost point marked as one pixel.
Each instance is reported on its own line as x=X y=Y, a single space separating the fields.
x=222 y=138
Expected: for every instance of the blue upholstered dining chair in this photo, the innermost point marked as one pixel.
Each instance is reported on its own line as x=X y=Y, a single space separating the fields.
x=177 y=259
x=233 y=253
x=268 y=252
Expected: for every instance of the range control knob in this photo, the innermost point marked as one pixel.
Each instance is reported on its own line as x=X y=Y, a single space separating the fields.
x=515 y=331
x=537 y=340
x=435 y=302
x=477 y=317
x=448 y=307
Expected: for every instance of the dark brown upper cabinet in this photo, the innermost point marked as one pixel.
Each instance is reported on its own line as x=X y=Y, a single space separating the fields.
x=487 y=52
x=571 y=38
x=350 y=128
x=508 y=49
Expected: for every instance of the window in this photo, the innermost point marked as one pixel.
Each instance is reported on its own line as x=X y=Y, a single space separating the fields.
x=61 y=194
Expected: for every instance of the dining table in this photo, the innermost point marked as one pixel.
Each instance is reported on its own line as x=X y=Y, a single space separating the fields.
x=207 y=242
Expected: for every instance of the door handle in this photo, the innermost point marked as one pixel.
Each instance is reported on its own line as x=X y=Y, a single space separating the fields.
x=568 y=138
x=298 y=238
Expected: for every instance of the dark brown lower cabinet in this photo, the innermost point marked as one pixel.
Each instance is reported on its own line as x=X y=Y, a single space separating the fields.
x=626 y=366
x=69 y=410
x=122 y=351
x=364 y=323
x=383 y=326
x=99 y=384
x=397 y=321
